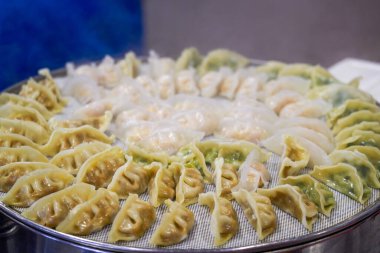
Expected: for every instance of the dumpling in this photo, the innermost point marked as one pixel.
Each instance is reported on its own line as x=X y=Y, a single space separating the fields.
x=281 y=99
x=256 y=112
x=162 y=186
x=53 y=208
x=288 y=83
x=244 y=129
x=51 y=85
x=252 y=173
x=132 y=178
x=133 y=220
x=355 y=118
x=66 y=138
x=189 y=186
x=130 y=65
x=41 y=94
x=72 y=159
x=294 y=157
x=148 y=84
x=186 y=82
x=25 y=102
x=198 y=119
x=166 y=86
x=21 y=154
x=296 y=69
x=350 y=106
x=14 y=111
x=250 y=87
x=225 y=179
x=364 y=126
x=343 y=178
x=336 y=94
x=306 y=108
x=36 y=185
x=192 y=157
x=291 y=200
x=234 y=152
x=92 y=215
x=271 y=68
x=100 y=122
x=170 y=140
x=210 y=82
x=365 y=169
x=175 y=225
x=99 y=169
x=189 y=58
x=16 y=141
x=224 y=221
x=219 y=58
x=320 y=77
x=144 y=157
x=258 y=210
x=317 y=192
x=316 y=125
x=11 y=172
x=160 y=65
x=29 y=129
x=317 y=155
x=372 y=154
x=362 y=138
x=230 y=84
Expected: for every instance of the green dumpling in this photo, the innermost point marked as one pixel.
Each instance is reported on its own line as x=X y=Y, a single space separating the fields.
x=355 y=118
x=372 y=153
x=190 y=57
x=364 y=126
x=364 y=168
x=317 y=192
x=343 y=178
x=349 y=106
x=222 y=58
x=361 y=138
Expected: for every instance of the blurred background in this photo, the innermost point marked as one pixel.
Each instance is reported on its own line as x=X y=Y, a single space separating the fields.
x=45 y=33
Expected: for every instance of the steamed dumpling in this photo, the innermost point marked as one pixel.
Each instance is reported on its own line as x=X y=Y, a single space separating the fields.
x=175 y=225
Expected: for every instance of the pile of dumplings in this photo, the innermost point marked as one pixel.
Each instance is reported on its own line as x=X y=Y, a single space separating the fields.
x=77 y=152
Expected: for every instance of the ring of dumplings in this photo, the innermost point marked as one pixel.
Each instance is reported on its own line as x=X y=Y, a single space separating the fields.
x=62 y=162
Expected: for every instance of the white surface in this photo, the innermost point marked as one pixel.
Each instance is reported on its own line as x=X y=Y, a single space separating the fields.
x=350 y=68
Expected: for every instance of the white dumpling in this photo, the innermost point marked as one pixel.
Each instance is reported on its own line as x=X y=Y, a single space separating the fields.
x=198 y=119
x=83 y=88
x=166 y=86
x=249 y=130
x=293 y=83
x=317 y=138
x=230 y=84
x=169 y=139
x=107 y=74
x=306 y=108
x=159 y=66
x=252 y=85
x=149 y=85
x=317 y=155
x=259 y=112
x=210 y=82
x=310 y=123
x=252 y=173
x=186 y=82
x=281 y=99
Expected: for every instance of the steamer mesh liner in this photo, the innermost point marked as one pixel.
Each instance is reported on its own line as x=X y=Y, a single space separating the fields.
x=287 y=226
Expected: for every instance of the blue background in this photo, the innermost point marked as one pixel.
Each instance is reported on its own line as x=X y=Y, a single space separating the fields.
x=46 y=33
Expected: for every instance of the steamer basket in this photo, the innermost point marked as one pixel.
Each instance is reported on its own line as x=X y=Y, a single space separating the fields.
x=351 y=228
